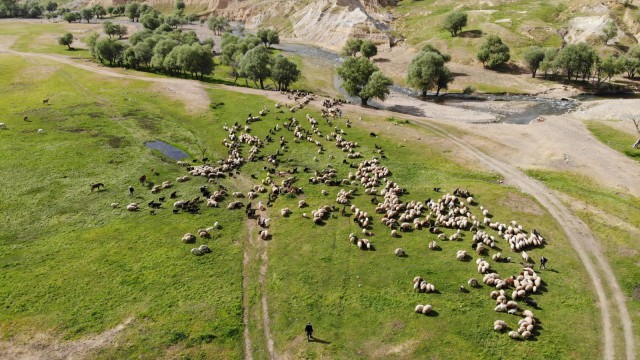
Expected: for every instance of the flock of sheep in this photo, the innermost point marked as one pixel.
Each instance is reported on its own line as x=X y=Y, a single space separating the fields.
x=447 y=218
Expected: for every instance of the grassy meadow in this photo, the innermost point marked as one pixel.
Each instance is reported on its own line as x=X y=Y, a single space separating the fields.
x=73 y=267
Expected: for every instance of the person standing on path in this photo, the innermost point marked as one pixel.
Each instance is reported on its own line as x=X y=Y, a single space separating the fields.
x=309 y=330
x=543 y=263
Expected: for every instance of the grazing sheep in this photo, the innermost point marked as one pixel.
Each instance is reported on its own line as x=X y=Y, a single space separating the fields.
x=419 y=309
x=197 y=252
x=433 y=245
x=472 y=282
x=264 y=234
x=204 y=249
x=285 y=212
x=203 y=233
x=302 y=203
x=499 y=325
x=427 y=309
x=514 y=335
x=115 y=205
x=461 y=255
x=400 y=252
x=133 y=207
x=40 y=131
x=3 y=126
x=188 y=238
x=527 y=313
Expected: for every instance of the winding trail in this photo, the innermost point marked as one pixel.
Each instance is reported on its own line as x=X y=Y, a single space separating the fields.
x=610 y=296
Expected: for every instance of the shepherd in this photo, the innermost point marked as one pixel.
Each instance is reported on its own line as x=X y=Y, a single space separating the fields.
x=543 y=263
x=309 y=330
x=130 y=190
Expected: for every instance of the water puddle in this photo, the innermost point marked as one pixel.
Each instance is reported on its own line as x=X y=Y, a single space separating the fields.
x=169 y=150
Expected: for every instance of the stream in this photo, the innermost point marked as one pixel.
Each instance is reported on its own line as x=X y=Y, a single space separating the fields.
x=528 y=107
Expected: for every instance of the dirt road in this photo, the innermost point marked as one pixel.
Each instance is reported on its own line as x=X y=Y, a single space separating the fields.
x=610 y=297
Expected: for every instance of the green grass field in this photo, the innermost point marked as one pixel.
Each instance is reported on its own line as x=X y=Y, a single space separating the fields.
x=73 y=267
x=616 y=139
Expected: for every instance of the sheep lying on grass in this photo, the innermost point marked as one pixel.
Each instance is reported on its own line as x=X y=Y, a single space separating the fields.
x=188 y=238
x=424 y=309
x=133 y=207
x=201 y=250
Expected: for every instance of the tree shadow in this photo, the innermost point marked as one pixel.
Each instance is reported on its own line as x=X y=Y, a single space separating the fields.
x=457 y=74
x=470 y=34
x=512 y=69
x=406 y=109
x=381 y=60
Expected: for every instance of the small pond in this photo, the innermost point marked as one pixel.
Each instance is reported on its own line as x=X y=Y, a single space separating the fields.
x=169 y=150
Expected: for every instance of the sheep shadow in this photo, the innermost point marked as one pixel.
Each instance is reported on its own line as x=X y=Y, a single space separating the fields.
x=433 y=313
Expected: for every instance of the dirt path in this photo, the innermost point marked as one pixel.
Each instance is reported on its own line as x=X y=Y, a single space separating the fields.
x=610 y=296
x=260 y=253
x=248 y=349
x=42 y=346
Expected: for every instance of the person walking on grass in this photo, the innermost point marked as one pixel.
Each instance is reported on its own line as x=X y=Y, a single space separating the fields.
x=543 y=263
x=130 y=190
x=309 y=330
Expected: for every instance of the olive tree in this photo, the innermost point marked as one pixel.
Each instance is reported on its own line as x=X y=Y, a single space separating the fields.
x=454 y=22
x=493 y=52
x=534 y=56
x=363 y=79
x=256 y=65
x=284 y=73
x=66 y=40
x=427 y=71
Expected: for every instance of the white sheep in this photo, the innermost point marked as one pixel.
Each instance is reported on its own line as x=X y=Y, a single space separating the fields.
x=204 y=249
x=427 y=309
x=188 y=238
x=514 y=335
x=40 y=131
x=133 y=207
x=400 y=252
x=115 y=205
x=3 y=126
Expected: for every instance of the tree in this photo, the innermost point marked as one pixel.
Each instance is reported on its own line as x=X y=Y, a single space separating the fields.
x=284 y=73
x=99 y=11
x=351 y=47
x=109 y=28
x=534 y=56
x=427 y=71
x=606 y=69
x=631 y=61
x=454 y=22
x=178 y=7
x=109 y=50
x=431 y=48
x=87 y=14
x=493 y=52
x=66 y=39
x=268 y=37
x=71 y=17
x=256 y=65
x=150 y=21
x=368 y=49
x=576 y=60
x=376 y=87
x=161 y=50
x=218 y=24
x=356 y=73
x=121 y=31
x=91 y=40
x=51 y=6
x=132 y=11
x=609 y=31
